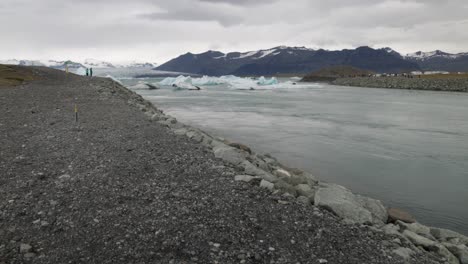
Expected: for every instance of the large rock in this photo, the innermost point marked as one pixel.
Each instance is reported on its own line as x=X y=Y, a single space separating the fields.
x=447 y=235
x=417 y=228
x=282 y=173
x=229 y=154
x=444 y=252
x=241 y=147
x=305 y=190
x=404 y=253
x=267 y=185
x=244 y=178
x=286 y=187
x=251 y=169
x=391 y=229
x=460 y=251
x=419 y=240
x=345 y=204
x=395 y=214
x=376 y=207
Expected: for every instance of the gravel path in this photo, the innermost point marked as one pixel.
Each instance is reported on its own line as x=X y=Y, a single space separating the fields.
x=118 y=188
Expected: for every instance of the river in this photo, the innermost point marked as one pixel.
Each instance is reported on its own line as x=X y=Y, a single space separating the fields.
x=406 y=148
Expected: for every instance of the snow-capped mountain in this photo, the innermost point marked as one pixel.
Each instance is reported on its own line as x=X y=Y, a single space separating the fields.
x=285 y=59
x=420 y=55
x=440 y=61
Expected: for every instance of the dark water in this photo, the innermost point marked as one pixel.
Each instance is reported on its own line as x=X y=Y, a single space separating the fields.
x=406 y=148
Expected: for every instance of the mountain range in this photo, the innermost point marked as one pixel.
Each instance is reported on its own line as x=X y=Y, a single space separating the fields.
x=301 y=60
x=87 y=63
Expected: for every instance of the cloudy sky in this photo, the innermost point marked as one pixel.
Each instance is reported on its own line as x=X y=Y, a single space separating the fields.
x=158 y=30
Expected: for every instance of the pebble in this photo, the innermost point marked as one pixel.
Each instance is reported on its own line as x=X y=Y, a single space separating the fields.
x=323 y=261
x=25 y=248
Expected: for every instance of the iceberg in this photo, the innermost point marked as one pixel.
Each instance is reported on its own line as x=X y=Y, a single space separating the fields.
x=230 y=81
x=80 y=71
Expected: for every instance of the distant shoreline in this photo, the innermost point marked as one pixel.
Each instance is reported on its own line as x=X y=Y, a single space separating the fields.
x=430 y=84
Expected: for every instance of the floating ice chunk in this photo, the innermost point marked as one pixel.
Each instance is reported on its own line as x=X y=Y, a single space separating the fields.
x=81 y=71
x=228 y=80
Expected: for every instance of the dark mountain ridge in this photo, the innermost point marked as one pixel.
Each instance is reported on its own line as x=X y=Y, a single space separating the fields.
x=301 y=60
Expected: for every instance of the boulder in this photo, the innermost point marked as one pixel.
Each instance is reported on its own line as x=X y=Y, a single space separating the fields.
x=391 y=229
x=296 y=179
x=280 y=173
x=419 y=240
x=305 y=190
x=343 y=203
x=241 y=147
x=251 y=169
x=376 y=208
x=460 y=251
x=180 y=131
x=229 y=154
x=416 y=228
x=244 y=178
x=446 y=235
x=404 y=253
x=444 y=252
x=285 y=187
x=195 y=136
x=267 y=185
x=395 y=214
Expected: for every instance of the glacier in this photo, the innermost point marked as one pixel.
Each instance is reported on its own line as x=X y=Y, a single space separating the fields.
x=228 y=80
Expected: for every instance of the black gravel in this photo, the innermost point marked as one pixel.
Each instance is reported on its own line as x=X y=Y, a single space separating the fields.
x=118 y=188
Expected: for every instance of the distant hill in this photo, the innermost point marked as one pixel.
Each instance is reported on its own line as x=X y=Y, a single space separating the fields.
x=332 y=73
x=440 y=61
x=285 y=60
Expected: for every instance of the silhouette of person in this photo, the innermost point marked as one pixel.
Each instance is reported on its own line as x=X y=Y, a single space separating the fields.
x=87 y=72
x=91 y=72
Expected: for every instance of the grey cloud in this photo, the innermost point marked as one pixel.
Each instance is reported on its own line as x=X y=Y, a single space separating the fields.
x=162 y=29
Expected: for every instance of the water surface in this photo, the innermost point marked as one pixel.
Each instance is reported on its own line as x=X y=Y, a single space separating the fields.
x=406 y=148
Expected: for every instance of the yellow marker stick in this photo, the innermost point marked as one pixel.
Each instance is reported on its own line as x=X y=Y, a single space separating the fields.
x=76 y=113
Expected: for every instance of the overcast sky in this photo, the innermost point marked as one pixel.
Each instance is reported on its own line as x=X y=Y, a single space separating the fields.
x=158 y=30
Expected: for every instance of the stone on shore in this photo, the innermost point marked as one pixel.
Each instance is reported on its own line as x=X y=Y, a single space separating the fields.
x=285 y=187
x=460 y=251
x=229 y=154
x=419 y=240
x=446 y=235
x=345 y=204
x=417 y=228
x=395 y=214
x=444 y=252
x=404 y=253
x=280 y=173
x=267 y=185
x=241 y=147
x=244 y=178
x=305 y=190
x=253 y=170
x=25 y=248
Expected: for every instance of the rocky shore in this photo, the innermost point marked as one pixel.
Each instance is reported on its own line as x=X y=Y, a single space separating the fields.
x=449 y=84
x=129 y=184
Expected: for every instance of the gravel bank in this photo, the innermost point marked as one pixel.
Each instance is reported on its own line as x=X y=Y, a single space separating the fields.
x=450 y=85
x=119 y=187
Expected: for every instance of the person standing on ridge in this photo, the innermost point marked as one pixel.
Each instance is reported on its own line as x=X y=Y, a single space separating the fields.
x=91 y=72
x=87 y=72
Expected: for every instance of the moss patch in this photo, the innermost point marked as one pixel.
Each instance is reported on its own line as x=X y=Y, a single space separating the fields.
x=14 y=75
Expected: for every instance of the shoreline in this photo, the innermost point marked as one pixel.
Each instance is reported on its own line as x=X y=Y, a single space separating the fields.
x=392 y=222
x=447 y=85
x=129 y=184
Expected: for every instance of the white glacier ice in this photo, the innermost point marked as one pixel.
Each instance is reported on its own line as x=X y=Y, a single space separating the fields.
x=229 y=80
